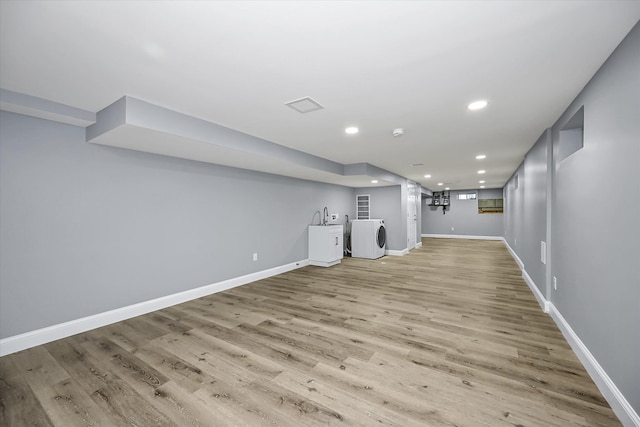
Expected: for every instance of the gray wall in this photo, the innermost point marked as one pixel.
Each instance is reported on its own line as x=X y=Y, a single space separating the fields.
x=595 y=232
x=86 y=228
x=534 y=230
x=419 y=203
x=514 y=208
x=463 y=216
x=525 y=219
x=385 y=204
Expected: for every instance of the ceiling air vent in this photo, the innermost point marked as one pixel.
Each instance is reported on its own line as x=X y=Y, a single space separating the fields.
x=304 y=105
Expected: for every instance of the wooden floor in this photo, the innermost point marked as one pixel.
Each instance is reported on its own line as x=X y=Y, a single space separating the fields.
x=448 y=334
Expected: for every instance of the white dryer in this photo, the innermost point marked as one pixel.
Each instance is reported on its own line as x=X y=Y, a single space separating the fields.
x=368 y=238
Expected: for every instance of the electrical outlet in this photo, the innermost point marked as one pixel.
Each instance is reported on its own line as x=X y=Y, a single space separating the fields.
x=255 y=256
x=555 y=283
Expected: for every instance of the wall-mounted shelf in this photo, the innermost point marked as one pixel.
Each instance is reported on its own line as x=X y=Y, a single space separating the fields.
x=441 y=198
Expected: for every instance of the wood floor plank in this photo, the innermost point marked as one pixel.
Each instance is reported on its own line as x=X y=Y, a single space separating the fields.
x=446 y=335
x=19 y=406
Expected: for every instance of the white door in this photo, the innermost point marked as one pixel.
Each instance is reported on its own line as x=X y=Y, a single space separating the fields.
x=412 y=218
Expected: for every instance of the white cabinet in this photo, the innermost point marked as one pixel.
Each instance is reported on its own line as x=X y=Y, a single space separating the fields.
x=325 y=245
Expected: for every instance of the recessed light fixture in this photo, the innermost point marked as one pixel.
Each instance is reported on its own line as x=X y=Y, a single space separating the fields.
x=481 y=181
x=477 y=105
x=374 y=181
x=351 y=130
x=446 y=188
x=482 y=186
x=427 y=176
x=439 y=183
x=398 y=132
x=481 y=172
x=481 y=156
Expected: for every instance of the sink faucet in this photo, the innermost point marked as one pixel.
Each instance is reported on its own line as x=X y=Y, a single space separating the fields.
x=325 y=216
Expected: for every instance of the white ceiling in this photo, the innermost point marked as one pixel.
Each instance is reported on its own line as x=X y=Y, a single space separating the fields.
x=376 y=65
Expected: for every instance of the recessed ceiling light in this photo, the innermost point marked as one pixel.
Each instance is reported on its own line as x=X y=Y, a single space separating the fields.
x=481 y=171
x=374 y=181
x=477 y=105
x=482 y=186
x=351 y=130
x=398 y=132
x=446 y=188
x=481 y=181
x=481 y=156
x=439 y=183
x=427 y=176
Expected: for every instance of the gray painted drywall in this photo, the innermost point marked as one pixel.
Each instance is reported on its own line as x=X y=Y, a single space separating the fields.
x=418 y=213
x=22 y=103
x=463 y=216
x=534 y=229
x=385 y=204
x=594 y=228
x=144 y=115
x=595 y=220
x=525 y=217
x=86 y=228
x=514 y=208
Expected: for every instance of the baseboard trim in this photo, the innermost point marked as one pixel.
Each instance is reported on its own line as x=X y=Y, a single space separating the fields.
x=462 y=236
x=395 y=252
x=418 y=245
x=544 y=304
x=514 y=254
x=55 y=332
x=622 y=408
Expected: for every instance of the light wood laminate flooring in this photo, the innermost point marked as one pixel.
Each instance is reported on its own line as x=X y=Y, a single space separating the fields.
x=447 y=335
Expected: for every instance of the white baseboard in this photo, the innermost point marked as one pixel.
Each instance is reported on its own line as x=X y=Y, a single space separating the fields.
x=514 y=255
x=395 y=252
x=55 y=332
x=462 y=236
x=607 y=387
x=544 y=304
x=622 y=408
x=418 y=245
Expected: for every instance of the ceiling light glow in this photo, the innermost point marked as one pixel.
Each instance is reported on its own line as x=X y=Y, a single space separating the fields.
x=351 y=130
x=481 y=181
x=482 y=186
x=439 y=183
x=374 y=181
x=481 y=172
x=481 y=156
x=446 y=188
x=427 y=176
x=477 y=105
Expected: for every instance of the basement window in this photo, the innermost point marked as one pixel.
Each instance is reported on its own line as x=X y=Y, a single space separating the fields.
x=571 y=137
x=467 y=196
x=490 y=206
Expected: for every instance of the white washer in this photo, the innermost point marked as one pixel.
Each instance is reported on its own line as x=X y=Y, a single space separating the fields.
x=368 y=238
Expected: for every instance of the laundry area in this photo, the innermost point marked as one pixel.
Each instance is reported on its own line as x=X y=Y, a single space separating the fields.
x=329 y=243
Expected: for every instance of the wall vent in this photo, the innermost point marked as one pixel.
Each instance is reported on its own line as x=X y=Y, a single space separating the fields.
x=304 y=105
